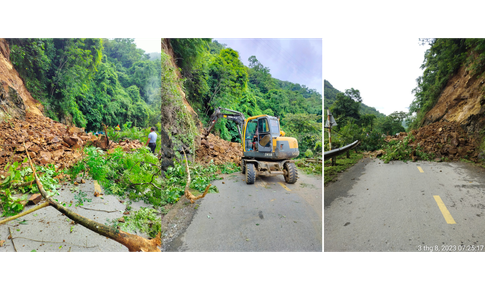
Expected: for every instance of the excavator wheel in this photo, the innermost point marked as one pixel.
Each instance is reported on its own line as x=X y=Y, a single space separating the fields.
x=243 y=167
x=250 y=173
x=290 y=173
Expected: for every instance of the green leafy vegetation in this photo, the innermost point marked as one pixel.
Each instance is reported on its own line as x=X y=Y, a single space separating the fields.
x=12 y=195
x=401 y=150
x=353 y=123
x=81 y=198
x=214 y=76
x=342 y=164
x=88 y=82
x=441 y=61
x=173 y=185
x=134 y=175
x=146 y=220
x=314 y=168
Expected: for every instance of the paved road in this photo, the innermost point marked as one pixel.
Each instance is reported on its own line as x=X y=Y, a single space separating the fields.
x=265 y=216
x=48 y=230
x=421 y=206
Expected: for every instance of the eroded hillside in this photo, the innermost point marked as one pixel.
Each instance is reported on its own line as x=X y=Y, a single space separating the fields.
x=15 y=100
x=180 y=125
x=461 y=101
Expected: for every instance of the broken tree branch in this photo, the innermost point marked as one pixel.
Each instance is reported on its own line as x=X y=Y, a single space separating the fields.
x=134 y=243
x=151 y=181
x=11 y=238
x=25 y=213
x=188 y=194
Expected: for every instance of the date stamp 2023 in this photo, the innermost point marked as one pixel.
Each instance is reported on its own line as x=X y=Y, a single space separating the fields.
x=451 y=248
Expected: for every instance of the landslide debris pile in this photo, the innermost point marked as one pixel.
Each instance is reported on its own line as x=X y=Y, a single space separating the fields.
x=443 y=140
x=217 y=149
x=48 y=141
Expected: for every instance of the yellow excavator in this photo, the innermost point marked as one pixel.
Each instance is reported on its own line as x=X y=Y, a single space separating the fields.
x=266 y=150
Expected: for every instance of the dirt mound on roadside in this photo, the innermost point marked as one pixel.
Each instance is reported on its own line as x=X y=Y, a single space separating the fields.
x=49 y=142
x=446 y=139
x=46 y=140
x=443 y=139
x=127 y=144
x=217 y=149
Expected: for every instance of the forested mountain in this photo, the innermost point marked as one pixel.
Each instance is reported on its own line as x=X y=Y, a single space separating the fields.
x=214 y=76
x=330 y=94
x=356 y=121
x=90 y=82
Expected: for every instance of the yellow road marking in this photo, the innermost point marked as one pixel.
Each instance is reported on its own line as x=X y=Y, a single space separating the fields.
x=284 y=186
x=420 y=169
x=97 y=187
x=446 y=214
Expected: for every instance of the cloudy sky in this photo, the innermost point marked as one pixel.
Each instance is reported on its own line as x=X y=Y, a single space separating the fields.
x=385 y=75
x=149 y=44
x=298 y=60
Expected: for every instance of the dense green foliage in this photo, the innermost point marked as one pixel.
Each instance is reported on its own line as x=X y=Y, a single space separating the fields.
x=173 y=185
x=134 y=175
x=400 y=150
x=88 y=82
x=11 y=196
x=342 y=164
x=441 y=61
x=214 y=76
x=354 y=124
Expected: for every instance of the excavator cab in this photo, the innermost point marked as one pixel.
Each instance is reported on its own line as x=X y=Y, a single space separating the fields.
x=260 y=132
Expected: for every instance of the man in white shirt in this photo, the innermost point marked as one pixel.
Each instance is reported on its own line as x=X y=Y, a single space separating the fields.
x=152 y=140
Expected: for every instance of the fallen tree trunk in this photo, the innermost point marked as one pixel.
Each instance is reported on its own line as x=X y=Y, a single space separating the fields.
x=134 y=243
x=188 y=194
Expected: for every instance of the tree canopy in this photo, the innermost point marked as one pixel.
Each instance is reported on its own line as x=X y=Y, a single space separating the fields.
x=90 y=81
x=216 y=77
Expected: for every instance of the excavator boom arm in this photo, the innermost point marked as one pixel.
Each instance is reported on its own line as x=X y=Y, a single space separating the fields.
x=236 y=116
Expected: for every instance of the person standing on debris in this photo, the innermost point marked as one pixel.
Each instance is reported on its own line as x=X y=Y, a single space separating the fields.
x=152 y=138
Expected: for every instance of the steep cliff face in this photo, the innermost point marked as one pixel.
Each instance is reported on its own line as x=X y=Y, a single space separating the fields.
x=461 y=101
x=178 y=117
x=15 y=100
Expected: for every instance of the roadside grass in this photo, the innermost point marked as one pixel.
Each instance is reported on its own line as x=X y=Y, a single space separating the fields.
x=314 y=168
x=342 y=164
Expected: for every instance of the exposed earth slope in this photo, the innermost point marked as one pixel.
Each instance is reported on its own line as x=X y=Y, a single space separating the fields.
x=15 y=100
x=461 y=101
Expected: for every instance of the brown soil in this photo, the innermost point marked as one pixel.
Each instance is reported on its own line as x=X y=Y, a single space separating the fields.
x=48 y=141
x=461 y=102
x=219 y=150
x=15 y=100
x=444 y=140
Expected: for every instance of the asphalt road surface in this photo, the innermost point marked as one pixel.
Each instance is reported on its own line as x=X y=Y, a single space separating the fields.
x=269 y=216
x=413 y=207
x=48 y=230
